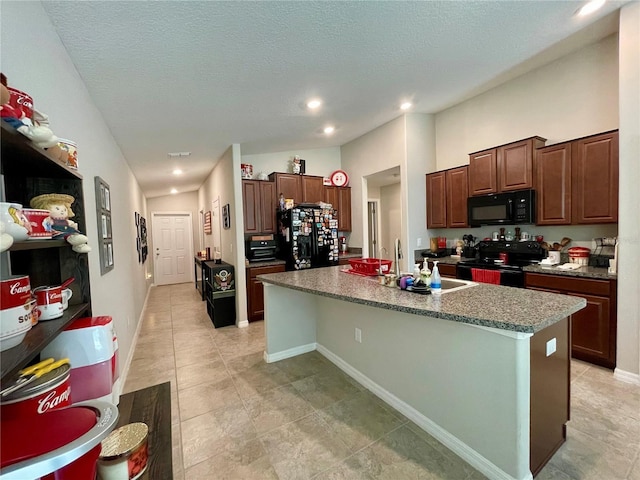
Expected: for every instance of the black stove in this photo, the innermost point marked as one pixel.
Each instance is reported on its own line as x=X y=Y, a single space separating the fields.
x=506 y=257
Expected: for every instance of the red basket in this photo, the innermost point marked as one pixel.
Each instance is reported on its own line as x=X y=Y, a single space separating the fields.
x=370 y=266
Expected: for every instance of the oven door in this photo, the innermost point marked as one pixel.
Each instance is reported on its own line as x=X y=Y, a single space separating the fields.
x=508 y=278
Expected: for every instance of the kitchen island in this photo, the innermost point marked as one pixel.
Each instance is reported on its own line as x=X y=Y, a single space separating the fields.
x=484 y=369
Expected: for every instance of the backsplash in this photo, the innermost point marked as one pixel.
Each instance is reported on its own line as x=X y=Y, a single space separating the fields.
x=580 y=235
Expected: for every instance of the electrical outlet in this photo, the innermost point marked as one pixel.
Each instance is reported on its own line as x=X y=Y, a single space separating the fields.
x=551 y=346
x=419 y=242
x=358 y=335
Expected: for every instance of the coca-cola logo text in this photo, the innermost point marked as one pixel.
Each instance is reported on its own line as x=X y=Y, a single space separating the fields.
x=51 y=401
x=18 y=288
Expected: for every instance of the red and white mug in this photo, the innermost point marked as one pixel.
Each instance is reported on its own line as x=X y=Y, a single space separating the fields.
x=37 y=228
x=50 y=302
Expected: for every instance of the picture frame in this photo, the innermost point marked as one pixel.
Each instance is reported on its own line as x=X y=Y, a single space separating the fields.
x=207 y=223
x=104 y=224
x=226 y=218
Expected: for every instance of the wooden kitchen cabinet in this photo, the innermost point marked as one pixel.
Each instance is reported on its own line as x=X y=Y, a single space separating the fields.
x=594 y=328
x=289 y=185
x=445 y=269
x=577 y=181
x=344 y=209
x=483 y=178
x=505 y=168
x=255 y=290
x=312 y=189
x=259 y=206
x=436 y=200
x=447 y=193
x=553 y=184
x=340 y=199
x=595 y=179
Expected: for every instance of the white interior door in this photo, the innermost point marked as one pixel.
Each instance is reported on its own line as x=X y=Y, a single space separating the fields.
x=173 y=244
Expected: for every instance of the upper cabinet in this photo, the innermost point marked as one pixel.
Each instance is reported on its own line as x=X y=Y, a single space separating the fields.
x=503 y=169
x=577 y=181
x=595 y=179
x=312 y=189
x=259 y=206
x=340 y=199
x=447 y=193
x=289 y=185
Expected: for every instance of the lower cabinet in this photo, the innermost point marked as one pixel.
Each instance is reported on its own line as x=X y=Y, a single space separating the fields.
x=255 y=291
x=594 y=328
x=445 y=269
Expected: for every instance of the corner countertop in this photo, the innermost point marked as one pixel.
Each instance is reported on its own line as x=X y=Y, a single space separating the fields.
x=505 y=308
x=597 y=273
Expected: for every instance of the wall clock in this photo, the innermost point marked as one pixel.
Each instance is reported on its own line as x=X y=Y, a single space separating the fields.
x=339 y=178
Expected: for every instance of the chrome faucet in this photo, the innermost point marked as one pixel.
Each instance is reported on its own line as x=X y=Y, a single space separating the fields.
x=380 y=259
x=397 y=255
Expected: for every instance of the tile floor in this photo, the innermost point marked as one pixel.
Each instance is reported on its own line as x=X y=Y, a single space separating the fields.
x=236 y=417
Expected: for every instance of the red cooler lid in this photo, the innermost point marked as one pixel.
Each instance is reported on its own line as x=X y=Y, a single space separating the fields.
x=42 y=433
x=87 y=322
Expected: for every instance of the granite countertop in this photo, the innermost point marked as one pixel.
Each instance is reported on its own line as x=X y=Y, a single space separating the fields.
x=596 y=273
x=350 y=255
x=266 y=263
x=506 y=308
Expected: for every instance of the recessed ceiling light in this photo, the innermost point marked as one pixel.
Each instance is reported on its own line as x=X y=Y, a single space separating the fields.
x=179 y=154
x=177 y=171
x=314 y=103
x=590 y=7
x=406 y=105
x=174 y=191
x=329 y=130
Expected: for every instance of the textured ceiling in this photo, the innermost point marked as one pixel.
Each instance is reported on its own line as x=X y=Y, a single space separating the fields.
x=199 y=76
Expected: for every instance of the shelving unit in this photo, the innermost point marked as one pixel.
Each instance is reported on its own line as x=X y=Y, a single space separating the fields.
x=28 y=171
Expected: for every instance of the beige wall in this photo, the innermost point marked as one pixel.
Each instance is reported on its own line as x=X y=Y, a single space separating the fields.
x=572 y=97
x=39 y=64
x=319 y=161
x=629 y=256
x=225 y=182
x=181 y=202
x=390 y=217
x=378 y=150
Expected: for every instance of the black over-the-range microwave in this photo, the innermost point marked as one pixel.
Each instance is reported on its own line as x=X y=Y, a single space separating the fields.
x=507 y=208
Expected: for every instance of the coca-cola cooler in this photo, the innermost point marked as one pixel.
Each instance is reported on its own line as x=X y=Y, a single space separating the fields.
x=91 y=345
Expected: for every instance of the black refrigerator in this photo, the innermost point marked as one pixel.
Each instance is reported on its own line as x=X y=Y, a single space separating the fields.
x=220 y=292
x=308 y=237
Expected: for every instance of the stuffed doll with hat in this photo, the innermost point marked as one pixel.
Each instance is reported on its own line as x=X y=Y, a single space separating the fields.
x=59 y=206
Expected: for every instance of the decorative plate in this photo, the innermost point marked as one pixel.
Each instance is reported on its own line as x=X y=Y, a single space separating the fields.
x=339 y=178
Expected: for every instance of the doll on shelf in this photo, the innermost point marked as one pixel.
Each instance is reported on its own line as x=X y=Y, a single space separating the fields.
x=59 y=206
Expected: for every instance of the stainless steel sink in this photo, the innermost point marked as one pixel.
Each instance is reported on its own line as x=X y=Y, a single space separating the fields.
x=453 y=285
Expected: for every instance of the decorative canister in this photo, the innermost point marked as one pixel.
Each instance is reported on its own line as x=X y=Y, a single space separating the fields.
x=15 y=223
x=247 y=171
x=35 y=218
x=49 y=392
x=579 y=255
x=16 y=310
x=21 y=101
x=71 y=148
x=124 y=453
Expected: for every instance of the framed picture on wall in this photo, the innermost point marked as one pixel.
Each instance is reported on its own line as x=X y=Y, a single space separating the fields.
x=105 y=234
x=226 y=219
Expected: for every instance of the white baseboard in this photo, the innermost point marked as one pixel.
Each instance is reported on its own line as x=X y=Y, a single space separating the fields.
x=626 y=376
x=125 y=368
x=243 y=324
x=292 y=352
x=452 y=443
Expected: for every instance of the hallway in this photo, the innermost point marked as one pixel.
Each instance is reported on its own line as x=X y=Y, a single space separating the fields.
x=236 y=417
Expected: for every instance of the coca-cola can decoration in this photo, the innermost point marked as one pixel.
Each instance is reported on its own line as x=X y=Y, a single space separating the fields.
x=49 y=392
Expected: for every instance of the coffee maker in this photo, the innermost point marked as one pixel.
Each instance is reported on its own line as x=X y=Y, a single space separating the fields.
x=343 y=245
